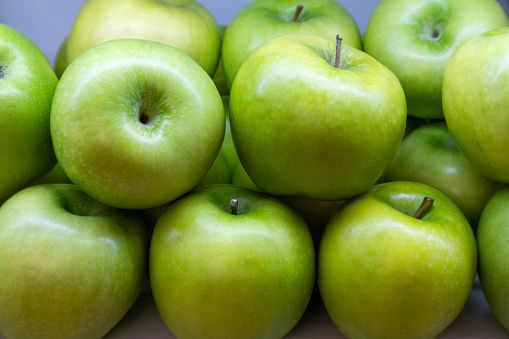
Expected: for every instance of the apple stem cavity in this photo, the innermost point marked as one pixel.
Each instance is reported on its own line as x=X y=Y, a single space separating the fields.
x=234 y=204
x=427 y=202
x=338 y=50
x=297 y=12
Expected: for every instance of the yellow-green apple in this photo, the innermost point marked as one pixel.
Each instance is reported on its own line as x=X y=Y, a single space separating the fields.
x=27 y=85
x=262 y=20
x=61 y=59
x=136 y=123
x=492 y=238
x=476 y=103
x=430 y=156
x=72 y=266
x=228 y=262
x=392 y=266
x=416 y=38
x=184 y=24
x=305 y=125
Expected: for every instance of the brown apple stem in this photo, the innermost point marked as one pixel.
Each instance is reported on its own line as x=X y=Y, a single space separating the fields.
x=426 y=204
x=338 y=51
x=297 y=13
x=234 y=203
x=2 y=74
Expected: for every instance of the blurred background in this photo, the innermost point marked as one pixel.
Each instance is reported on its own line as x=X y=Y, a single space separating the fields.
x=48 y=22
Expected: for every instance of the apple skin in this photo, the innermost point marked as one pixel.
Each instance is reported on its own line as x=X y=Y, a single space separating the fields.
x=492 y=237
x=262 y=20
x=100 y=135
x=27 y=85
x=302 y=127
x=218 y=275
x=218 y=77
x=385 y=274
x=400 y=34
x=183 y=24
x=75 y=266
x=61 y=59
x=55 y=176
x=475 y=102
x=430 y=156
x=228 y=147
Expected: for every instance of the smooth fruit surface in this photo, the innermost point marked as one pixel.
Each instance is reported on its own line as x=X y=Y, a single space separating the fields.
x=72 y=266
x=384 y=274
x=219 y=275
x=304 y=127
x=475 y=107
x=136 y=123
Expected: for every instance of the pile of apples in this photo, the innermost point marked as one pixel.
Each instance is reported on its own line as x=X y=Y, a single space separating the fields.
x=241 y=169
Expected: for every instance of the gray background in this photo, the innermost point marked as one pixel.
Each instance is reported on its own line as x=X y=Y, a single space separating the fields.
x=47 y=22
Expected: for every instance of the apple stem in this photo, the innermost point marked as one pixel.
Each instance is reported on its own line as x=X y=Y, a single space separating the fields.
x=426 y=204
x=297 y=12
x=338 y=51
x=2 y=74
x=234 y=203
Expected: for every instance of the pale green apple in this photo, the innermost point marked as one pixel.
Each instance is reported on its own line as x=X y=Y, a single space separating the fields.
x=416 y=38
x=384 y=272
x=430 y=156
x=476 y=102
x=72 y=267
x=303 y=127
x=216 y=273
x=262 y=20
x=27 y=85
x=492 y=239
x=136 y=123
x=184 y=24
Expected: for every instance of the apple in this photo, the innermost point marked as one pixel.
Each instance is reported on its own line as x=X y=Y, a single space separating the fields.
x=303 y=127
x=492 y=238
x=262 y=20
x=184 y=24
x=27 y=85
x=430 y=156
x=241 y=178
x=136 y=123
x=416 y=38
x=228 y=147
x=385 y=271
x=219 y=75
x=229 y=262
x=55 y=176
x=61 y=59
x=72 y=266
x=475 y=102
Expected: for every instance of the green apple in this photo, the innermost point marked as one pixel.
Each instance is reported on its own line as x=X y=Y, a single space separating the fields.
x=416 y=38
x=263 y=20
x=72 y=267
x=430 y=156
x=61 y=59
x=475 y=102
x=184 y=24
x=219 y=75
x=136 y=123
x=492 y=238
x=220 y=270
x=27 y=85
x=385 y=271
x=55 y=176
x=228 y=147
x=302 y=126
